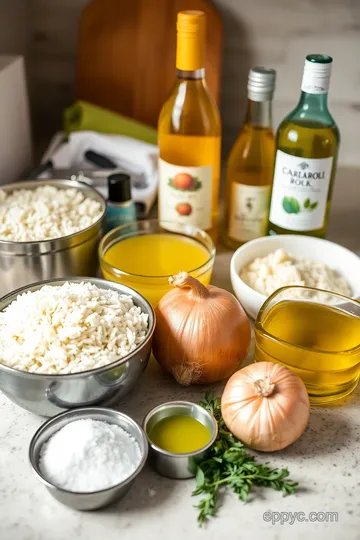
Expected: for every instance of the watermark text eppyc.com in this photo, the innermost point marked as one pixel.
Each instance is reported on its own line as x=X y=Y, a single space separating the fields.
x=300 y=517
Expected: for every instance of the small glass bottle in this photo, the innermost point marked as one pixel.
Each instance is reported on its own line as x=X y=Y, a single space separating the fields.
x=307 y=145
x=120 y=206
x=250 y=165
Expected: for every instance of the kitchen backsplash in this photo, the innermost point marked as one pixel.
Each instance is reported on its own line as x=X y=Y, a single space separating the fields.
x=275 y=33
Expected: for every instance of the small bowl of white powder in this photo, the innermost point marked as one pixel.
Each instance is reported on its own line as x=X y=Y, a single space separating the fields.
x=260 y=267
x=88 y=458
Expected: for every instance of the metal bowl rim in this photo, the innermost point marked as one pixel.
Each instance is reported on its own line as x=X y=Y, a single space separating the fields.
x=88 y=372
x=88 y=410
x=184 y=404
x=72 y=184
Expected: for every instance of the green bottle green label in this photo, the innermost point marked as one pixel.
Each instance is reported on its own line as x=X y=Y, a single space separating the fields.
x=300 y=192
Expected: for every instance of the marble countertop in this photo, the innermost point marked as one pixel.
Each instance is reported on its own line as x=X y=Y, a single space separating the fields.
x=325 y=461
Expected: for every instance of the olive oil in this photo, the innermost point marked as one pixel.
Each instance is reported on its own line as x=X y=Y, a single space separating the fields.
x=320 y=343
x=250 y=165
x=179 y=434
x=307 y=145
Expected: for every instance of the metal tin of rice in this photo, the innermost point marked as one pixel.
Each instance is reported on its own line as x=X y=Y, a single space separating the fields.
x=73 y=254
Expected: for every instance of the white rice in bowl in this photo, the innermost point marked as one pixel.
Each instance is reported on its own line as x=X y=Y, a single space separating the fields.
x=45 y=213
x=69 y=328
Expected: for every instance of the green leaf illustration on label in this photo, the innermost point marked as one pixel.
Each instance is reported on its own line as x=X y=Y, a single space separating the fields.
x=291 y=205
x=185 y=182
x=310 y=206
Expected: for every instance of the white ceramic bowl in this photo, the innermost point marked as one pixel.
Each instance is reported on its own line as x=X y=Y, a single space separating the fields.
x=337 y=257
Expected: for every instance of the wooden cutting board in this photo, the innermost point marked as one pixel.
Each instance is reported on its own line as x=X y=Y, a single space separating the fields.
x=126 y=54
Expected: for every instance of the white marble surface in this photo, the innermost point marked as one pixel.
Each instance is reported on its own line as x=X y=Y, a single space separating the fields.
x=324 y=461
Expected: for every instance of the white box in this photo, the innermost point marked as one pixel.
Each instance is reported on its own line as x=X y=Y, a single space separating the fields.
x=15 y=132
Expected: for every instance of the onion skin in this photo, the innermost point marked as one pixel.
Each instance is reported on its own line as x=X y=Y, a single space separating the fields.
x=266 y=406
x=202 y=334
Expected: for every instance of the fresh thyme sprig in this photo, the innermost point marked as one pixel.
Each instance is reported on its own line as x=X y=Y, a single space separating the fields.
x=227 y=464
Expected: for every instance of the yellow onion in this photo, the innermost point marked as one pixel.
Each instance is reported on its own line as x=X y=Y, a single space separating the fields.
x=266 y=406
x=202 y=333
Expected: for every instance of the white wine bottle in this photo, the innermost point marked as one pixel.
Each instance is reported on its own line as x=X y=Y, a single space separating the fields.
x=189 y=135
x=250 y=165
x=307 y=146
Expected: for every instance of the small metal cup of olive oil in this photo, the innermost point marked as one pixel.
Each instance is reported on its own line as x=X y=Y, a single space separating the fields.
x=179 y=434
x=314 y=333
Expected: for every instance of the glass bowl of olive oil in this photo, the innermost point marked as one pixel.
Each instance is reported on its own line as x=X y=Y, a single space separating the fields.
x=314 y=333
x=179 y=434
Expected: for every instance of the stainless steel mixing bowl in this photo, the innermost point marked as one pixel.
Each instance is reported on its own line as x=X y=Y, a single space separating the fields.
x=48 y=395
x=96 y=499
x=22 y=263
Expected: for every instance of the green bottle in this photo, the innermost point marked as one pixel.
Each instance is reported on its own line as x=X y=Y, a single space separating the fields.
x=307 y=143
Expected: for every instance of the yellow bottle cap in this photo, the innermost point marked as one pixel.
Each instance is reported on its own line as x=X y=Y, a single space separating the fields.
x=190 y=50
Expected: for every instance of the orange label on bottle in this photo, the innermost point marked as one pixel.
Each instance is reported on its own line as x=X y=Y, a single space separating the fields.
x=185 y=194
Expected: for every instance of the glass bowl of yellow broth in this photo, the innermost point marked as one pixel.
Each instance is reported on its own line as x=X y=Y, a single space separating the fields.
x=144 y=254
x=314 y=333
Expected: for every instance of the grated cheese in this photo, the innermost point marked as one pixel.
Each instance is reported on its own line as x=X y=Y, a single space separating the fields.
x=279 y=269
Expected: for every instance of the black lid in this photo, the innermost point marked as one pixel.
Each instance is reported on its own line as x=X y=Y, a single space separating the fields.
x=119 y=187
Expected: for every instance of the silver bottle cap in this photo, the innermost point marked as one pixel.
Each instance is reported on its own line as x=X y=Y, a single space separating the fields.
x=261 y=83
